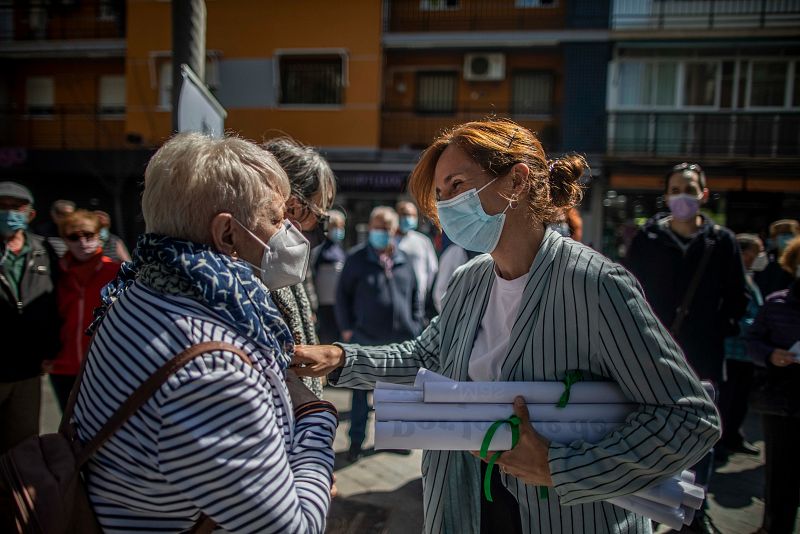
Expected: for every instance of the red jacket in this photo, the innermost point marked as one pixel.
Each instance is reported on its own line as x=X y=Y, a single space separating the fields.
x=78 y=295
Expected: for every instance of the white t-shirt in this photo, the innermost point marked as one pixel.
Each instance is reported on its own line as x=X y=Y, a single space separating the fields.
x=451 y=259
x=491 y=343
x=420 y=252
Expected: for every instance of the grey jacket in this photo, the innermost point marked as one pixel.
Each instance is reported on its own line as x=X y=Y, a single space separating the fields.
x=579 y=311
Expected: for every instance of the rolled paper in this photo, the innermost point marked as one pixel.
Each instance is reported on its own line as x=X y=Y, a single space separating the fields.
x=674 y=493
x=687 y=476
x=400 y=387
x=426 y=375
x=533 y=392
x=672 y=517
x=420 y=411
x=396 y=395
x=468 y=435
x=688 y=515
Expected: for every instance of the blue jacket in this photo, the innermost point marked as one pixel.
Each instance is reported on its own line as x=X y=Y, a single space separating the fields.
x=378 y=308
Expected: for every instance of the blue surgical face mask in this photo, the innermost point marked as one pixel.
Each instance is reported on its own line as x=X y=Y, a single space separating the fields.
x=336 y=234
x=407 y=222
x=468 y=225
x=104 y=234
x=11 y=221
x=781 y=240
x=379 y=239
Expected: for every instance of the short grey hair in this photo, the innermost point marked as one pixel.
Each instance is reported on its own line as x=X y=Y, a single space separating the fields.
x=337 y=215
x=387 y=214
x=308 y=171
x=192 y=178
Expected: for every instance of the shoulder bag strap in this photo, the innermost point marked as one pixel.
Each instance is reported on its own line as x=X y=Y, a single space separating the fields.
x=683 y=309
x=147 y=389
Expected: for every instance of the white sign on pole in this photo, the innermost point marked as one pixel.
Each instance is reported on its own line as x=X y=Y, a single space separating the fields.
x=198 y=110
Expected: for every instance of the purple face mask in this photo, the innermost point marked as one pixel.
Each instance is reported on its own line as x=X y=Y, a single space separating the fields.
x=683 y=207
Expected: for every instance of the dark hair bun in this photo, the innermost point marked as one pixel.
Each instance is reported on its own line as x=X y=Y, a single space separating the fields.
x=566 y=190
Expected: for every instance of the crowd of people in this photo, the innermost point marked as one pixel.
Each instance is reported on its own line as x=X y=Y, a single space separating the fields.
x=243 y=247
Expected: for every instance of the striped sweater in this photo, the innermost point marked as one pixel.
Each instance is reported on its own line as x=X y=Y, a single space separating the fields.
x=579 y=311
x=219 y=437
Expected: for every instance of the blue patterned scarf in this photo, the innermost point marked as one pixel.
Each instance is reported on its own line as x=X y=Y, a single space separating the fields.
x=226 y=286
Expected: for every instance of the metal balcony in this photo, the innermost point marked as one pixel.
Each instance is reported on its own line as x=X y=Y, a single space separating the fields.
x=704 y=14
x=65 y=127
x=43 y=20
x=724 y=135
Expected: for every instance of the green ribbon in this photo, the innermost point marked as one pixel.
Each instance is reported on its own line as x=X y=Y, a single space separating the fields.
x=513 y=422
x=570 y=378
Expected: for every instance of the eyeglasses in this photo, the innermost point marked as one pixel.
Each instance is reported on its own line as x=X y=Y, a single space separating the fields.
x=78 y=235
x=323 y=220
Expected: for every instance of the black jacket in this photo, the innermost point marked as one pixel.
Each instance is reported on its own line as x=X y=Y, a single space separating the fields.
x=665 y=271
x=29 y=326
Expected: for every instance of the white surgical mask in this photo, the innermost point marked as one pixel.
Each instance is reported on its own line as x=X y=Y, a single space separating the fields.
x=760 y=263
x=285 y=259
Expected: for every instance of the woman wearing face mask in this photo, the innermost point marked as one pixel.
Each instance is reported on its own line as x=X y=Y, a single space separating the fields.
x=774 y=278
x=534 y=307
x=245 y=446
x=313 y=187
x=776 y=331
x=84 y=272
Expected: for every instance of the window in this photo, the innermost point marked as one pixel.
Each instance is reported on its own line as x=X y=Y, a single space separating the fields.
x=112 y=95
x=311 y=80
x=532 y=93
x=700 y=87
x=436 y=92
x=768 y=83
x=39 y=95
x=647 y=84
x=107 y=10
x=534 y=3
x=438 y=5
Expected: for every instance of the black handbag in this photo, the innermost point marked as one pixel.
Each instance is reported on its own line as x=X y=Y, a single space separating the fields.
x=775 y=392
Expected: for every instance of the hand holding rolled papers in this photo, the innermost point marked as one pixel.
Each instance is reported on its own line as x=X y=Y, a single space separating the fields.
x=437 y=413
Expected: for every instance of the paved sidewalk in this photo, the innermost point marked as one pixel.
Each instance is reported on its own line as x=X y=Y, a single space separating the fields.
x=382 y=492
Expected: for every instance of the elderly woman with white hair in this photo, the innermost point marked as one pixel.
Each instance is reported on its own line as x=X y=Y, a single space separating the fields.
x=226 y=443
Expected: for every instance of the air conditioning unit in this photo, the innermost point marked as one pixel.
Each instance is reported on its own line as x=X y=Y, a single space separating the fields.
x=484 y=67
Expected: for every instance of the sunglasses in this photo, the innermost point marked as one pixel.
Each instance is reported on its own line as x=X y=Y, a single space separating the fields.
x=78 y=235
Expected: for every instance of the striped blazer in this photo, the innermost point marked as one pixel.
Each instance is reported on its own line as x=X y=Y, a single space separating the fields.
x=219 y=437
x=579 y=311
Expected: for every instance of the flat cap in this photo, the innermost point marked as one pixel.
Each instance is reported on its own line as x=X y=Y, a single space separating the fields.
x=15 y=190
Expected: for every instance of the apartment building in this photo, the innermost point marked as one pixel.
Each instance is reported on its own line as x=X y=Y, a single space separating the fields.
x=717 y=83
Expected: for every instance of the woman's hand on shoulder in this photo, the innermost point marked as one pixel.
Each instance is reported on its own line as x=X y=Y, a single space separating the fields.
x=528 y=461
x=317 y=360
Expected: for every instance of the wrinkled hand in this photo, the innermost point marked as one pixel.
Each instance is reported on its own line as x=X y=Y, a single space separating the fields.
x=298 y=391
x=318 y=360
x=782 y=358
x=528 y=460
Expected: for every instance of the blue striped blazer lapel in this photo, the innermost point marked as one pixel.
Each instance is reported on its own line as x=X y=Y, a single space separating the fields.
x=519 y=364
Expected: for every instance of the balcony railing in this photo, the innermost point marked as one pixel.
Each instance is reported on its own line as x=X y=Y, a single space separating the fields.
x=704 y=134
x=404 y=128
x=473 y=15
x=69 y=127
x=44 y=20
x=704 y=14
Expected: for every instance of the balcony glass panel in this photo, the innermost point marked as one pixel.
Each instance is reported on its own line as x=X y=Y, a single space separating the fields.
x=768 y=83
x=700 y=88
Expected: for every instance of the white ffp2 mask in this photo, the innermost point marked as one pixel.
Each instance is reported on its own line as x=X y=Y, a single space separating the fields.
x=285 y=258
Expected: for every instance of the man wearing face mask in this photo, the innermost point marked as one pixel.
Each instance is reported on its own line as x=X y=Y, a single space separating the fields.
x=376 y=302
x=774 y=278
x=738 y=380
x=28 y=314
x=417 y=247
x=84 y=272
x=692 y=274
x=327 y=261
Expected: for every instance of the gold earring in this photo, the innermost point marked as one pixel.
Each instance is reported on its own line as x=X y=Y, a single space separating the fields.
x=233 y=254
